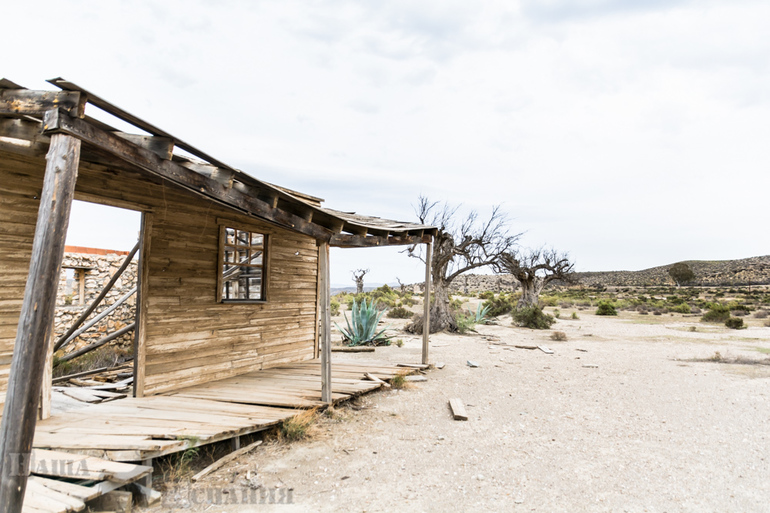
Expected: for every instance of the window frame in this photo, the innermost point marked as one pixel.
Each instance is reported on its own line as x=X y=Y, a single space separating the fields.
x=224 y=225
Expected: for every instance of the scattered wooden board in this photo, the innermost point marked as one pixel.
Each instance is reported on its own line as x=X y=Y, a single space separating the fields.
x=458 y=409
x=354 y=349
x=526 y=347
x=440 y=365
x=372 y=377
x=415 y=379
x=224 y=460
x=413 y=365
x=545 y=349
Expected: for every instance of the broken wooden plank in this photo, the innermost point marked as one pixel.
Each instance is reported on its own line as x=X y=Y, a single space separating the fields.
x=545 y=349
x=374 y=378
x=421 y=366
x=79 y=394
x=353 y=349
x=415 y=379
x=525 y=347
x=440 y=365
x=458 y=409
x=224 y=460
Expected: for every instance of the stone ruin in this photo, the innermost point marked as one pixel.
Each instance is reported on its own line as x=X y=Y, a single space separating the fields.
x=85 y=272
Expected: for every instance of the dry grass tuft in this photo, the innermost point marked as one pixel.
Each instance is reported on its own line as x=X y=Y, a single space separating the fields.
x=399 y=382
x=559 y=336
x=298 y=427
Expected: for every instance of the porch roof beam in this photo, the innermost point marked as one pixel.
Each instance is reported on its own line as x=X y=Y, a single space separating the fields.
x=360 y=241
x=56 y=121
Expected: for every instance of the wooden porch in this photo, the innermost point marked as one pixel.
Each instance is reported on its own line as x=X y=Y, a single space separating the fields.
x=139 y=429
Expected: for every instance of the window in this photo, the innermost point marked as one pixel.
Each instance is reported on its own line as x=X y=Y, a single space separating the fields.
x=243 y=265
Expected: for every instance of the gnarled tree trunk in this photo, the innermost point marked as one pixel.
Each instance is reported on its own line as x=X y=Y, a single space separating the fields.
x=531 y=286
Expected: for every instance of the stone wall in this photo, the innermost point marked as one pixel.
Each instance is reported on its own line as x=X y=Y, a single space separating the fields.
x=93 y=268
x=470 y=284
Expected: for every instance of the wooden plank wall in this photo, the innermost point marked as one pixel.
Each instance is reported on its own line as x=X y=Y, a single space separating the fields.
x=19 y=202
x=191 y=338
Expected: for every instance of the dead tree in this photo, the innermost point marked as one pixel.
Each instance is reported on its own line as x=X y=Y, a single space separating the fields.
x=534 y=269
x=401 y=286
x=358 y=277
x=459 y=247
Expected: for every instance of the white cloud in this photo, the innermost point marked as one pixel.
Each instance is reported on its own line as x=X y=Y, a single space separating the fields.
x=629 y=133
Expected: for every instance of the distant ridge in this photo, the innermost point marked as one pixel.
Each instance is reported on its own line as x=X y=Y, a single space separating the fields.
x=746 y=271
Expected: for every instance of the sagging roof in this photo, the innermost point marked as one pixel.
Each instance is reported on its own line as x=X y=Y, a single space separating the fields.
x=33 y=116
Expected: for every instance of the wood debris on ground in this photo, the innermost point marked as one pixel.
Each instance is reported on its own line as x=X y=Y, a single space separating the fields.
x=458 y=409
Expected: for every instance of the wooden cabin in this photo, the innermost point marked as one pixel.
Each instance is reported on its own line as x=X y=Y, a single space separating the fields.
x=233 y=272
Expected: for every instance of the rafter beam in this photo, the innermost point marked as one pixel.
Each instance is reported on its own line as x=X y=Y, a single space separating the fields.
x=57 y=121
x=37 y=103
x=359 y=241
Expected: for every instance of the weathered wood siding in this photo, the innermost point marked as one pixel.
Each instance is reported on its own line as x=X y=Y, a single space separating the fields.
x=191 y=338
x=19 y=192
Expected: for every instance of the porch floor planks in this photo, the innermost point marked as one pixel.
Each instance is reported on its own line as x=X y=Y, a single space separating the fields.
x=142 y=428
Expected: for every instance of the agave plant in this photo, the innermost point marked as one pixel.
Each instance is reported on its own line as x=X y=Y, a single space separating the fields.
x=362 y=327
x=480 y=317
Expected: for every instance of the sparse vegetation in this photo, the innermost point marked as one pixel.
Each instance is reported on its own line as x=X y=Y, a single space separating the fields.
x=501 y=304
x=334 y=307
x=532 y=317
x=735 y=323
x=574 y=316
x=559 y=336
x=606 y=308
x=400 y=312
x=717 y=312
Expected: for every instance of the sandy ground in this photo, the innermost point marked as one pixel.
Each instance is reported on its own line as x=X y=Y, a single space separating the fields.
x=617 y=419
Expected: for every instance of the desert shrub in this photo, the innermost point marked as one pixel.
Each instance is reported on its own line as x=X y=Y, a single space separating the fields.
x=455 y=303
x=548 y=300
x=574 y=316
x=559 y=336
x=642 y=309
x=695 y=310
x=735 y=323
x=400 y=312
x=566 y=304
x=716 y=313
x=487 y=294
x=556 y=313
x=500 y=305
x=657 y=311
x=532 y=317
x=682 y=308
x=767 y=324
x=385 y=296
x=606 y=308
x=739 y=313
x=465 y=322
x=334 y=307
x=761 y=314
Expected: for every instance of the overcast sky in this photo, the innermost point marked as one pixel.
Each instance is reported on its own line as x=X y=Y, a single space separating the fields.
x=629 y=133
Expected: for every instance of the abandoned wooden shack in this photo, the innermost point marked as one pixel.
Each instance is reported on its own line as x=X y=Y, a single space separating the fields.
x=233 y=271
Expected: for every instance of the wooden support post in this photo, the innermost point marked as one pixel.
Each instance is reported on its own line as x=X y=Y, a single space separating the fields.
x=36 y=320
x=143 y=302
x=47 y=381
x=426 y=305
x=326 y=324
x=235 y=443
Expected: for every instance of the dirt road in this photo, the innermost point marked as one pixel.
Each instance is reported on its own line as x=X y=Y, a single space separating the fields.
x=616 y=419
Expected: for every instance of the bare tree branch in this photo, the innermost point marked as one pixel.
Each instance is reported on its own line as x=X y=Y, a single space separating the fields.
x=534 y=269
x=460 y=246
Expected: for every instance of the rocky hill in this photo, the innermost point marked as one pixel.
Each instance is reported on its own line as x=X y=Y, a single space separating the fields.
x=746 y=271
